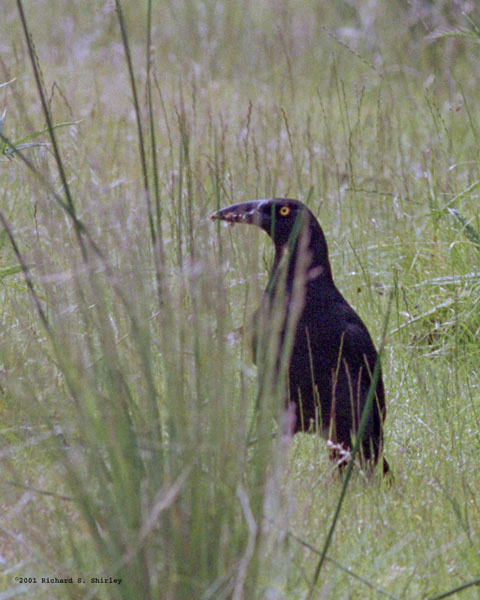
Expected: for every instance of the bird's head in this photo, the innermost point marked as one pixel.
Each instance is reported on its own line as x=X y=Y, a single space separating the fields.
x=281 y=218
x=290 y=224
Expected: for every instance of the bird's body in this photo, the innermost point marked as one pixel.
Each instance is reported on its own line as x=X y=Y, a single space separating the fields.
x=331 y=356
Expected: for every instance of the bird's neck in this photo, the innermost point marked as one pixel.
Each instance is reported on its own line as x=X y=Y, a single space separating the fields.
x=306 y=259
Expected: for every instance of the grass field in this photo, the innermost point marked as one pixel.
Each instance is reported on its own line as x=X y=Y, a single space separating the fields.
x=133 y=444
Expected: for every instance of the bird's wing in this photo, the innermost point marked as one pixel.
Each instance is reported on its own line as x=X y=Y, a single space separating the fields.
x=357 y=343
x=359 y=352
x=358 y=349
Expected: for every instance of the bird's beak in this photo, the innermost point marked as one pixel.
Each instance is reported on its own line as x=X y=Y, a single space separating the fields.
x=244 y=212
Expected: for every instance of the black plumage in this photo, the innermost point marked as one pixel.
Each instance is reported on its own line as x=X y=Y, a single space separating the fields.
x=332 y=357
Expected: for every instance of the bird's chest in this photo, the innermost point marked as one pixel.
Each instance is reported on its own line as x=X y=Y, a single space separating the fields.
x=311 y=329
x=317 y=341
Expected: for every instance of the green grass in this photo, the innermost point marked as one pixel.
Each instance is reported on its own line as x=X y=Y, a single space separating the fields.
x=134 y=444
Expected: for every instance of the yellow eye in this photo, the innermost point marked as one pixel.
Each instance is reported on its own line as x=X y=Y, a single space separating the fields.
x=285 y=211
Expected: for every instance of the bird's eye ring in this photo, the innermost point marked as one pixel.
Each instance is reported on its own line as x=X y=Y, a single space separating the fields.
x=285 y=211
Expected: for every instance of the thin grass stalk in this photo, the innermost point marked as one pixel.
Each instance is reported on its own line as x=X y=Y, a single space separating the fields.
x=26 y=274
x=297 y=167
x=342 y=568
x=46 y=111
x=456 y=590
x=356 y=448
x=141 y=141
x=158 y=248
x=179 y=196
x=217 y=176
x=185 y=149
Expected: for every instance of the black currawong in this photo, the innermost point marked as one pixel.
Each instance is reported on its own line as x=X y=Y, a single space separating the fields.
x=331 y=357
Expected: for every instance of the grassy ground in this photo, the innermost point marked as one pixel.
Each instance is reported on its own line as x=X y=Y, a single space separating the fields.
x=132 y=445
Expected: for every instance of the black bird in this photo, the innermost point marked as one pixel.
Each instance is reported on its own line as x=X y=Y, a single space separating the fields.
x=332 y=357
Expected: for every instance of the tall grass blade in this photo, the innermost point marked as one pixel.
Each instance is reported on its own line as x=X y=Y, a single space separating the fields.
x=470 y=232
x=159 y=247
x=456 y=590
x=138 y=116
x=50 y=126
